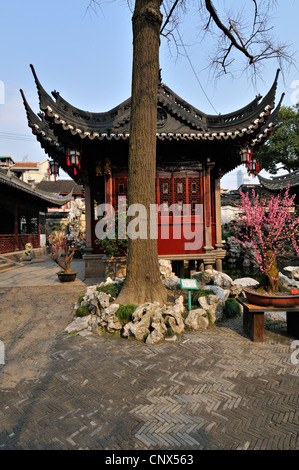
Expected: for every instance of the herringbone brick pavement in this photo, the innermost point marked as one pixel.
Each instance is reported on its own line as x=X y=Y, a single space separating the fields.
x=213 y=389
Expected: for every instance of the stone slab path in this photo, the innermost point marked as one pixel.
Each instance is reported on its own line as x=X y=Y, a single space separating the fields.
x=213 y=389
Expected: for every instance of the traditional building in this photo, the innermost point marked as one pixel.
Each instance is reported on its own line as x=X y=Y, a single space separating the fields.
x=23 y=213
x=32 y=172
x=281 y=183
x=194 y=150
x=62 y=188
x=6 y=162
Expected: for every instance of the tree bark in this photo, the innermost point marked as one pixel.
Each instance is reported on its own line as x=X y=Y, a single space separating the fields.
x=143 y=283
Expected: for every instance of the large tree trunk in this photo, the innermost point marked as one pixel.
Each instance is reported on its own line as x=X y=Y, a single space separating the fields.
x=143 y=283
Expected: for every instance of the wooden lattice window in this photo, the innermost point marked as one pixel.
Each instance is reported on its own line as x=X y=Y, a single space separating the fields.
x=120 y=188
x=194 y=193
x=165 y=189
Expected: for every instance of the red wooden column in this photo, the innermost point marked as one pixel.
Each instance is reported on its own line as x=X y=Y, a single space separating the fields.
x=89 y=217
x=220 y=253
x=108 y=183
x=208 y=248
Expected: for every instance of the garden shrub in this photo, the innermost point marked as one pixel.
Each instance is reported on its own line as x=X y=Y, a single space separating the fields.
x=169 y=332
x=232 y=308
x=82 y=311
x=125 y=312
x=112 y=289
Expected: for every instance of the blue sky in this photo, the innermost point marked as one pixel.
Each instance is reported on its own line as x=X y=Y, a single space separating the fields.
x=87 y=57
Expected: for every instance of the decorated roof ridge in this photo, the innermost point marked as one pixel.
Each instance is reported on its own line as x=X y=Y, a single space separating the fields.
x=268 y=128
x=37 y=122
x=40 y=127
x=72 y=117
x=221 y=122
x=107 y=125
x=202 y=121
x=280 y=182
x=11 y=180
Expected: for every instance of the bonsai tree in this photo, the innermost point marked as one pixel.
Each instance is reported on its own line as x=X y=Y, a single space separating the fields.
x=268 y=229
x=61 y=252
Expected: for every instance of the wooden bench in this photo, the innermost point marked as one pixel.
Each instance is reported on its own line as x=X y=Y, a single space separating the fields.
x=253 y=319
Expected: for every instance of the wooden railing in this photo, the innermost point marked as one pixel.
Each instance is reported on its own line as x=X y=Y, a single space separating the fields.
x=10 y=243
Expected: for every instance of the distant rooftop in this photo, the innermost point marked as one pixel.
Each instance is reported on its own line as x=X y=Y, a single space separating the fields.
x=25 y=165
x=60 y=187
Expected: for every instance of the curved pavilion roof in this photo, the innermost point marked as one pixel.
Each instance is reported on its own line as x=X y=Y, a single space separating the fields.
x=280 y=182
x=60 y=125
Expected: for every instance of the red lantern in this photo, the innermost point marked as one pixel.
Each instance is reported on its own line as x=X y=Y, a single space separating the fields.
x=53 y=169
x=73 y=158
x=246 y=154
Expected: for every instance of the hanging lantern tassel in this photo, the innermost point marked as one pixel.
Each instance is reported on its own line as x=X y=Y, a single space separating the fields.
x=68 y=162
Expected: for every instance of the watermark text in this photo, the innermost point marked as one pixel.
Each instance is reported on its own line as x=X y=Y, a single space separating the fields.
x=2 y=353
x=2 y=92
x=295 y=354
x=176 y=222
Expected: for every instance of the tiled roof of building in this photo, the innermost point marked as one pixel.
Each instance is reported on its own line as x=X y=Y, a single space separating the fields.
x=281 y=182
x=60 y=187
x=188 y=123
x=233 y=197
x=24 y=165
x=8 y=179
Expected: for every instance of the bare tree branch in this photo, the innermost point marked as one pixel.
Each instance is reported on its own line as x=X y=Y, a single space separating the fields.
x=247 y=32
x=251 y=35
x=169 y=15
x=226 y=31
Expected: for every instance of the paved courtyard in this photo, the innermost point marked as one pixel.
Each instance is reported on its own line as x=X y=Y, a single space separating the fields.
x=213 y=389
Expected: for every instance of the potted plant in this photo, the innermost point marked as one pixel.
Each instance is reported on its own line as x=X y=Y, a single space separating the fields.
x=268 y=230
x=62 y=254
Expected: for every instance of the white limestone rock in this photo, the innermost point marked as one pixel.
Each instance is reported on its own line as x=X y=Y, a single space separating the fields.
x=292 y=272
x=173 y=316
x=196 y=321
x=286 y=283
x=213 y=277
x=222 y=293
x=246 y=282
x=103 y=299
x=78 y=324
x=172 y=282
x=213 y=304
x=165 y=268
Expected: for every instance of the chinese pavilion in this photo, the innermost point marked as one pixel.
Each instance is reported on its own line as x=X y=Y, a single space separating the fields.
x=23 y=210
x=194 y=150
x=280 y=183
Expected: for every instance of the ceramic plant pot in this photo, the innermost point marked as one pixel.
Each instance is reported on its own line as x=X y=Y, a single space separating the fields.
x=67 y=277
x=276 y=301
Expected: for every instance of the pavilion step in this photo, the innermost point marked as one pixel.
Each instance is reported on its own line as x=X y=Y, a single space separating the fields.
x=6 y=264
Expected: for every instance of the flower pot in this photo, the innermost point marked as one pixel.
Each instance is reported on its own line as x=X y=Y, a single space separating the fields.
x=67 y=277
x=276 y=301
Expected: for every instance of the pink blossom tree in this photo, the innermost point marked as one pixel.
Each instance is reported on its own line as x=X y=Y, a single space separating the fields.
x=268 y=229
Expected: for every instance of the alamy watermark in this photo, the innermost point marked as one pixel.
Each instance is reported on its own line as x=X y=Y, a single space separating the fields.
x=2 y=92
x=185 y=220
x=2 y=353
x=295 y=93
x=295 y=354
